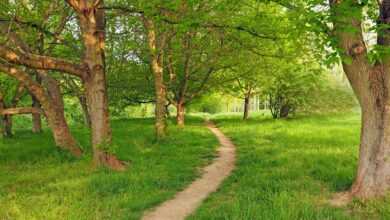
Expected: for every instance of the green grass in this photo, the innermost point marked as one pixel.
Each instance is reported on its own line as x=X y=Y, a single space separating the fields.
x=39 y=182
x=289 y=169
x=286 y=169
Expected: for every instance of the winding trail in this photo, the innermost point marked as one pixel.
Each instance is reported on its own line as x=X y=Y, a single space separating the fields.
x=187 y=201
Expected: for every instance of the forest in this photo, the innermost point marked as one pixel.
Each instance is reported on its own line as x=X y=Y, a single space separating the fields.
x=194 y=109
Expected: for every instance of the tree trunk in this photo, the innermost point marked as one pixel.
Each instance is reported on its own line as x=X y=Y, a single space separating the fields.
x=373 y=176
x=1 y=127
x=246 y=107
x=159 y=86
x=61 y=133
x=53 y=106
x=7 y=121
x=180 y=115
x=36 y=118
x=84 y=108
x=2 y=117
x=92 y=25
x=370 y=84
x=284 y=111
x=168 y=114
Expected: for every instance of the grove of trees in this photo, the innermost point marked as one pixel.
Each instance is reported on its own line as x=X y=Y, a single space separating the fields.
x=111 y=54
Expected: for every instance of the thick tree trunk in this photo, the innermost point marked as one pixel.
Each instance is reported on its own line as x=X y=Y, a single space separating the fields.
x=246 y=107
x=92 y=25
x=180 y=115
x=373 y=176
x=58 y=125
x=84 y=108
x=61 y=133
x=36 y=118
x=371 y=84
x=56 y=116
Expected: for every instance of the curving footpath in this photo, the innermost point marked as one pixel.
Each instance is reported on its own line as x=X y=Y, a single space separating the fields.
x=187 y=201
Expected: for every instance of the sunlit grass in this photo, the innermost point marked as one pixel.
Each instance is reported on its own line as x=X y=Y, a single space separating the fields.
x=39 y=182
x=289 y=169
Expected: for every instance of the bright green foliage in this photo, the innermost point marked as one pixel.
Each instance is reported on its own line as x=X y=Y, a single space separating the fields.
x=38 y=182
x=8 y=88
x=331 y=96
x=289 y=86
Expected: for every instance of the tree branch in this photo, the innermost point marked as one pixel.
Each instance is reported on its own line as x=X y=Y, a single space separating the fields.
x=40 y=62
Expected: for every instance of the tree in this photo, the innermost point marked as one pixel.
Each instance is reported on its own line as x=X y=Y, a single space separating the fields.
x=246 y=82
x=193 y=60
x=289 y=85
x=91 y=69
x=370 y=84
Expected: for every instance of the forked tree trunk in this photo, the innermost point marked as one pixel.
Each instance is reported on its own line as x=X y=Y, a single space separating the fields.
x=246 y=107
x=92 y=25
x=180 y=115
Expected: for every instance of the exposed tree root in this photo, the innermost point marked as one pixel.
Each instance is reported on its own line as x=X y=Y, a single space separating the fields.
x=341 y=199
x=110 y=161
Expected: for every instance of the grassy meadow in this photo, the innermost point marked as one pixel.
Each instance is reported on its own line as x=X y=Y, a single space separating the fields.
x=286 y=169
x=289 y=169
x=37 y=182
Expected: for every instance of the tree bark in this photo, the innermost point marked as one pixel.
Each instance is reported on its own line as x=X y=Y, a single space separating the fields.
x=20 y=111
x=371 y=84
x=180 y=115
x=55 y=113
x=157 y=69
x=55 y=116
x=92 y=25
x=246 y=107
x=36 y=118
x=84 y=108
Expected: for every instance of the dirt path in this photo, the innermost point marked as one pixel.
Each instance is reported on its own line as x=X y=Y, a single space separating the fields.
x=187 y=201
